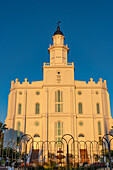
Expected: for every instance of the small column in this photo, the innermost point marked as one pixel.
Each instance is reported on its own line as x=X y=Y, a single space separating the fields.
x=25 y=110
x=14 y=115
x=25 y=80
x=93 y=114
x=71 y=111
x=16 y=80
x=47 y=117
x=12 y=84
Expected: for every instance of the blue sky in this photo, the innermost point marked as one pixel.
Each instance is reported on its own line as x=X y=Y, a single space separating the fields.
x=26 y=29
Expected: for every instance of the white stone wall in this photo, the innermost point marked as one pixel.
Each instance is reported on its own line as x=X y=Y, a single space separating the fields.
x=70 y=116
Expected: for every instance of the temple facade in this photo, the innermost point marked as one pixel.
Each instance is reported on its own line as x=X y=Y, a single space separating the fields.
x=58 y=104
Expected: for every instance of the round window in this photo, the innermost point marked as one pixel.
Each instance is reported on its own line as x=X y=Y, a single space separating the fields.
x=58 y=72
x=79 y=92
x=80 y=123
x=37 y=93
x=20 y=92
x=36 y=123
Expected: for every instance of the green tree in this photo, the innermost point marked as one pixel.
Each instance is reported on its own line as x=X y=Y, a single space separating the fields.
x=2 y=129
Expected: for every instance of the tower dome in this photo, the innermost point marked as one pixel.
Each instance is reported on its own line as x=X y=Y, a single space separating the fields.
x=58 y=31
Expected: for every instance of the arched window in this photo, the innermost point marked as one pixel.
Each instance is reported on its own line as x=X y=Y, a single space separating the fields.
x=58 y=131
x=36 y=135
x=58 y=101
x=80 y=108
x=19 y=108
x=98 y=108
x=37 y=109
x=99 y=128
x=81 y=135
x=18 y=128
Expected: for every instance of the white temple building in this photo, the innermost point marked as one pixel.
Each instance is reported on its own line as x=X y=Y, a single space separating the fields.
x=58 y=104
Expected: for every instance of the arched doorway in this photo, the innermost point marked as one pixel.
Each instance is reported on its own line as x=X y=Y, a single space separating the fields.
x=36 y=141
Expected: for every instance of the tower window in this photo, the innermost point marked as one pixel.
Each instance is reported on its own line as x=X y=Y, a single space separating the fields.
x=37 y=108
x=58 y=101
x=58 y=132
x=98 y=108
x=19 y=108
x=80 y=108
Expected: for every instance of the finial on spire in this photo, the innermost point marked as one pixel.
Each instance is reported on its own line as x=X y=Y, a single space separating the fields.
x=58 y=27
x=58 y=23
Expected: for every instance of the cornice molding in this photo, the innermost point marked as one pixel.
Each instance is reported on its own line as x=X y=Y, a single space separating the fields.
x=56 y=85
x=26 y=87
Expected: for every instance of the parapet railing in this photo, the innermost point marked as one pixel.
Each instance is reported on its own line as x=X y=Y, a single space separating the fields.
x=58 y=64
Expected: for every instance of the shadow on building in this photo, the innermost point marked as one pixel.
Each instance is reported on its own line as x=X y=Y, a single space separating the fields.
x=11 y=136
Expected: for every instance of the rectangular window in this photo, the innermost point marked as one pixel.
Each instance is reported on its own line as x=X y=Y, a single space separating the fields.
x=19 y=109
x=100 y=140
x=58 y=101
x=59 y=142
x=61 y=107
x=59 y=139
x=61 y=97
x=80 y=108
x=58 y=107
x=58 y=96
x=18 y=132
x=37 y=108
x=59 y=129
x=99 y=128
x=58 y=132
x=18 y=140
x=98 y=108
x=18 y=129
x=55 y=107
x=56 y=139
x=56 y=129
